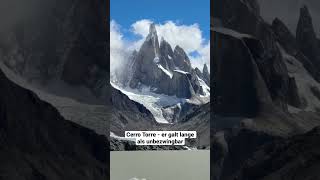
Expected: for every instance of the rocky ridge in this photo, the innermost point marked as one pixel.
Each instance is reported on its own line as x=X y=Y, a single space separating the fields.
x=262 y=78
x=165 y=70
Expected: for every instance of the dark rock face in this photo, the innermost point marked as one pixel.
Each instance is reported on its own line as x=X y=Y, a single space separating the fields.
x=198 y=72
x=252 y=90
x=37 y=143
x=233 y=148
x=293 y=96
x=128 y=115
x=181 y=59
x=253 y=5
x=206 y=74
x=166 y=53
x=165 y=71
x=293 y=158
x=145 y=70
x=290 y=45
x=180 y=85
x=241 y=17
x=284 y=36
x=197 y=119
x=306 y=37
x=195 y=83
x=60 y=40
x=181 y=111
x=240 y=89
x=220 y=145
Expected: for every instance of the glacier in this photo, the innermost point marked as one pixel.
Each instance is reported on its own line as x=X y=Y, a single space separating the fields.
x=152 y=101
x=155 y=103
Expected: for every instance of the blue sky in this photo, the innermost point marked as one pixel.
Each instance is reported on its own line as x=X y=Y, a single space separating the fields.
x=126 y=12
x=183 y=23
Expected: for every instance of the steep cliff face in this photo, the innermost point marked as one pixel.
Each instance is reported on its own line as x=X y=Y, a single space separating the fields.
x=165 y=70
x=242 y=17
x=290 y=45
x=206 y=74
x=181 y=59
x=166 y=53
x=128 y=115
x=306 y=38
x=58 y=40
x=38 y=143
x=240 y=89
x=265 y=85
x=145 y=68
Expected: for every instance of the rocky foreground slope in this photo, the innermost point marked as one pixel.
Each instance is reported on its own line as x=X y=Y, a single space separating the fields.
x=38 y=143
x=294 y=158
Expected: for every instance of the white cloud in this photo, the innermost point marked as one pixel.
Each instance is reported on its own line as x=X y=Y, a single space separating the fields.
x=189 y=37
x=203 y=58
x=141 y=27
x=118 y=48
x=116 y=38
x=116 y=44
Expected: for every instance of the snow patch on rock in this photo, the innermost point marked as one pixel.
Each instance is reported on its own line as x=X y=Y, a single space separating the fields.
x=182 y=72
x=152 y=101
x=113 y=135
x=165 y=71
x=230 y=32
x=205 y=88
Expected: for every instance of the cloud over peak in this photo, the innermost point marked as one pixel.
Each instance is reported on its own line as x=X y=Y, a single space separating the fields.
x=189 y=37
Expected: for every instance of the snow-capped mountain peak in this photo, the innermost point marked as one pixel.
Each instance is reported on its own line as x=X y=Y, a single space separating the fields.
x=166 y=74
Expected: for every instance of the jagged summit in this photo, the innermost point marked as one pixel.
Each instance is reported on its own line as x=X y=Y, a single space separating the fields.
x=165 y=70
x=153 y=35
x=181 y=59
x=304 y=10
x=178 y=48
x=152 y=29
x=205 y=69
x=206 y=74
x=306 y=37
x=305 y=17
x=163 y=42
